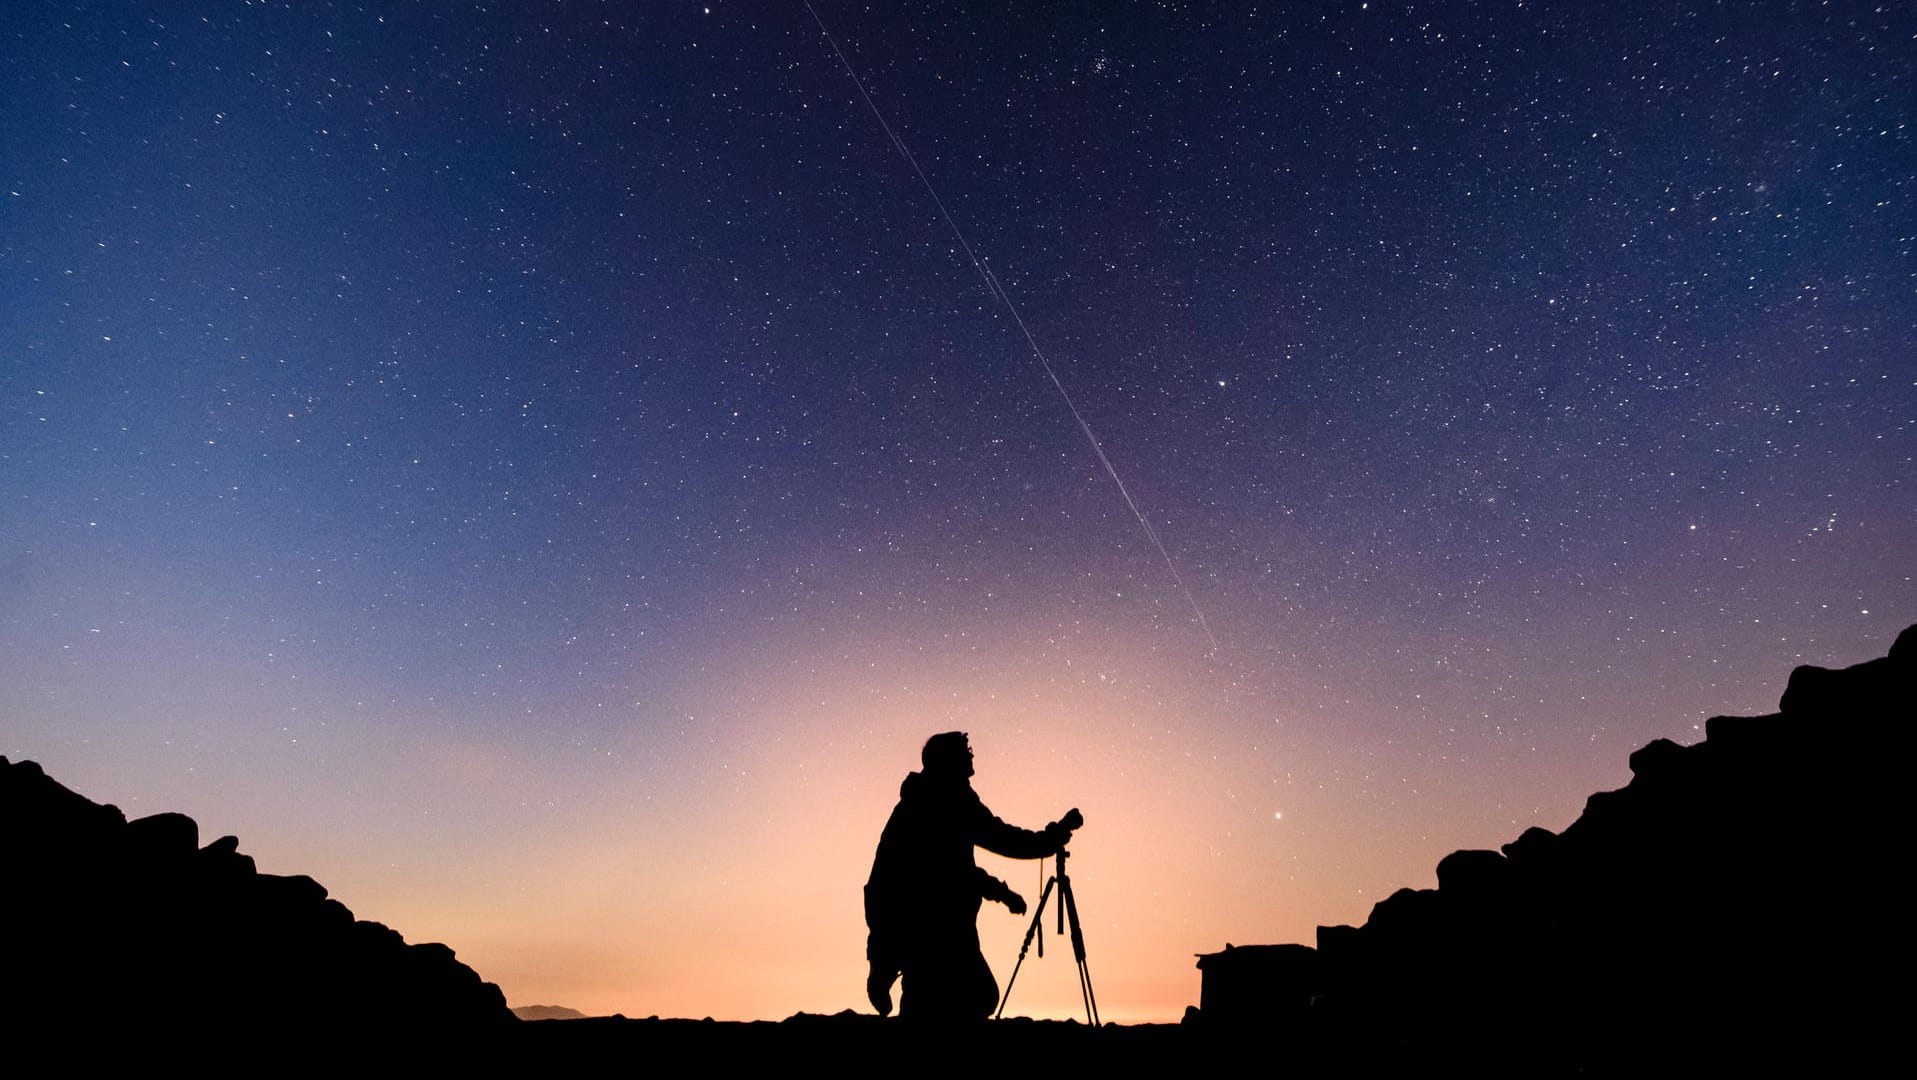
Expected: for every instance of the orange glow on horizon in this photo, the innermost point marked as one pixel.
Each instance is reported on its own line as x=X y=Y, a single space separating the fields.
x=730 y=885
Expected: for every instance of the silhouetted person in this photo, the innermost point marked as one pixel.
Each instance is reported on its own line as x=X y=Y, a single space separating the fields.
x=922 y=900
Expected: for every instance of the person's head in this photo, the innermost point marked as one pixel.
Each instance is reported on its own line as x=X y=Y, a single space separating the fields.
x=949 y=753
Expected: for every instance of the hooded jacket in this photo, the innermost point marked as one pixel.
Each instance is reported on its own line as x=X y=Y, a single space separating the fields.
x=924 y=876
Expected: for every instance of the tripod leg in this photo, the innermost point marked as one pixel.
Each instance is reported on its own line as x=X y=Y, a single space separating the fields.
x=1068 y=906
x=1038 y=914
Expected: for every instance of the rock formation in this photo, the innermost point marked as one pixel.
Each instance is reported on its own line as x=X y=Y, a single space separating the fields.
x=131 y=929
x=1727 y=907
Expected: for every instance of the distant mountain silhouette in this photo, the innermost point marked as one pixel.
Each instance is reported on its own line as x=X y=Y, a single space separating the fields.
x=132 y=928
x=547 y=1012
x=1723 y=908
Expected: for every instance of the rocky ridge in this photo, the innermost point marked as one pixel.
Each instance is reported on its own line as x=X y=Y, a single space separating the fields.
x=1726 y=906
x=133 y=926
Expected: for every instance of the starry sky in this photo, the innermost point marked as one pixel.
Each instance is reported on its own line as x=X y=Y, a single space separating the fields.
x=544 y=469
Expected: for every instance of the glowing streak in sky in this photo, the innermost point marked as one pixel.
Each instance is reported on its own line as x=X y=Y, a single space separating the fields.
x=997 y=290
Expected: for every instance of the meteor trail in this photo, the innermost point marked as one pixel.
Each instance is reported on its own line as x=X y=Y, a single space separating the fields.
x=998 y=293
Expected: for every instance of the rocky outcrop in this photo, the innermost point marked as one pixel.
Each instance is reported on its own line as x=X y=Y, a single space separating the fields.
x=1727 y=907
x=134 y=928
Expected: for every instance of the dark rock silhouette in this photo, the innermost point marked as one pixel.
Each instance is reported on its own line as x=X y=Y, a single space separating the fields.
x=132 y=927
x=1719 y=910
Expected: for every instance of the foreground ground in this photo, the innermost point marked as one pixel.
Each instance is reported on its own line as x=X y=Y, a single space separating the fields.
x=852 y=1038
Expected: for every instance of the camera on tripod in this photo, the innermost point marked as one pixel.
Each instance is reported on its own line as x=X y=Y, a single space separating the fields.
x=1067 y=915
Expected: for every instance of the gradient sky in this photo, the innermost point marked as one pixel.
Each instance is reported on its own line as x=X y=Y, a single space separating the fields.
x=543 y=470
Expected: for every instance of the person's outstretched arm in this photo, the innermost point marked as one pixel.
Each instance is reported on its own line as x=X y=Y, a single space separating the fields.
x=1013 y=842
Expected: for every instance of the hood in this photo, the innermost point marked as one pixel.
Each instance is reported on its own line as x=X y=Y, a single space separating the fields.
x=921 y=785
x=912 y=784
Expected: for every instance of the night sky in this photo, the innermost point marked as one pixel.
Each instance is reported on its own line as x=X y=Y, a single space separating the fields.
x=543 y=470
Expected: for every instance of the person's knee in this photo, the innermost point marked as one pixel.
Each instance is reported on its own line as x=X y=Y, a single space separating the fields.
x=984 y=990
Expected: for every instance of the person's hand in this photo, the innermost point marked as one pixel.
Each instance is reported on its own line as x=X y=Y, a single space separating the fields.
x=1014 y=902
x=1060 y=831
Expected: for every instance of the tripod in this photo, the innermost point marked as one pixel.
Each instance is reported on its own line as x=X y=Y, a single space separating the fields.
x=1067 y=911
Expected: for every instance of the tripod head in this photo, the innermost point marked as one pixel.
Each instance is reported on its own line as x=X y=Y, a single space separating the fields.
x=1063 y=828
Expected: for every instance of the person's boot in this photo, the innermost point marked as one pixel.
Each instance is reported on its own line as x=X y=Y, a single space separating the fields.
x=878 y=991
